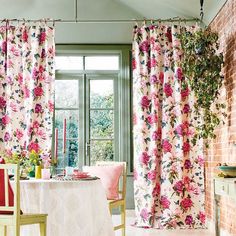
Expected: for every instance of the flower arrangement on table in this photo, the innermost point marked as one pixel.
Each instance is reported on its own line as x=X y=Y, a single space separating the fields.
x=30 y=162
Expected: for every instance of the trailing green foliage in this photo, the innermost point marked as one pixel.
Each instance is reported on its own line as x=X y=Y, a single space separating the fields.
x=202 y=64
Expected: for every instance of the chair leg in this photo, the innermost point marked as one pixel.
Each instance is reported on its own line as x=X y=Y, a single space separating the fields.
x=3 y=230
x=123 y=221
x=43 y=228
x=16 y=230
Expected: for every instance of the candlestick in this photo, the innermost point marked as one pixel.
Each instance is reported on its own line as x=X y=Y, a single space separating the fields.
x=56 y=145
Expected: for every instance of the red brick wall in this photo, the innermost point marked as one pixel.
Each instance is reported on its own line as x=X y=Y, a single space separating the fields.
x=222 y=149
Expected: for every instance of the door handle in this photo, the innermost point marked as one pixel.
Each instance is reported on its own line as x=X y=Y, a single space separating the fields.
x=87 y=149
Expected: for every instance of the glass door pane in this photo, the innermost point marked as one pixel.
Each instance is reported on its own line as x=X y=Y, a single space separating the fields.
x=67 y=108
x=100 y=130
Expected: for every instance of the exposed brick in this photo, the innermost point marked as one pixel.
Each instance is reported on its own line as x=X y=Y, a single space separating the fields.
x=222 y=149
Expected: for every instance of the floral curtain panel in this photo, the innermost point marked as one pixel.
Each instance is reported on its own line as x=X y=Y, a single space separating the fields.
x=26 y=87
x=169 y=174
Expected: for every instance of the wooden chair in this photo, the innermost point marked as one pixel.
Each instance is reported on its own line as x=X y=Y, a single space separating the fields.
x=121 y=202
x=16 y=219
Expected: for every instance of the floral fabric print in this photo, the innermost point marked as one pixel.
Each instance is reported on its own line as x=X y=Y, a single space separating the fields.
x=26 y=87
x=168 y=175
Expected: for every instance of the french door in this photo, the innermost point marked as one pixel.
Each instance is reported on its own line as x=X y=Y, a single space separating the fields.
x=89 y=104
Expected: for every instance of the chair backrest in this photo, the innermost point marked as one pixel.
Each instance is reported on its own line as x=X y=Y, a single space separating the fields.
x=122 y=184
x=4 y=170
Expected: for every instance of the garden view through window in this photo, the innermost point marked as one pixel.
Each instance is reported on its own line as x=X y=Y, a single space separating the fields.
x=85 y=95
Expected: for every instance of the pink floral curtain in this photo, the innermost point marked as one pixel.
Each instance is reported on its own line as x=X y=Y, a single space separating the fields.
x=26 y=86
x=169 y=172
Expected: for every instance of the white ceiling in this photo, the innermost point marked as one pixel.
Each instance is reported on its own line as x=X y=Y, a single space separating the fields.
x=104 y=9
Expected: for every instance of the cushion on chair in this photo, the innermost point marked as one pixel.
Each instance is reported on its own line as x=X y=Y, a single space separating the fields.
x=2 y=192
x=109 y=176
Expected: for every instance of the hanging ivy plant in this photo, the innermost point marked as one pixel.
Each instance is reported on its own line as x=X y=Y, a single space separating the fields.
x=202 y=65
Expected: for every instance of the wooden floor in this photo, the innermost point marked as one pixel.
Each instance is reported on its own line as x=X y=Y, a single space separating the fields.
x=134 y=231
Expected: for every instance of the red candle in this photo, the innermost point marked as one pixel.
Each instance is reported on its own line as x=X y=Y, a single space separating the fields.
x=56 y=144
x=64 y=136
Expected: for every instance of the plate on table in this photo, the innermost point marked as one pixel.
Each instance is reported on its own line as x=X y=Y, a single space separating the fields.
x=89 y=178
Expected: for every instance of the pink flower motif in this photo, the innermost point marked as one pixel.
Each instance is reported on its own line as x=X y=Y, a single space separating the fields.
x=169 y=34
x=145 y=102
x=35 y=125
x=168 y=90
x=186 y=203
x=179 y=186
x=155 y=152
x=35 y=73
x=38 y=91
x=26 y=92
x=14 y=51
x=185 y=92
x=166 y=146
x=152 y=175
x=186 y=147
x=20 y=78
x=186 y=180
x=152 y=119
x=144 y=214
x=33 y=146
x=2 y=103
x=51 y=106
x=38 y=108
x=19 y=134
x=134 y=64
x=25 y=36
x=161 y=77
x=185 y=125
x=179 y=73
x=153 y=79
x=6 y=120
x=42 y=37
x=41 y=69
x=187 y=164
x=153 y=62
x=41 y=134
x=152 y=41
x=144 y=158
x=4 y=47
x=144 y=46
x=186 y=108
x=188 y=220
x=200 y=160
x=165 y=203
x=155 y=136
x=156 y=191
x=179 y=130
x=202 y=217
x=7 y=137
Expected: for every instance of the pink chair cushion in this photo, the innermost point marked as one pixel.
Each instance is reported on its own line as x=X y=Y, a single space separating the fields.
x=2 y=192
x=109 y=176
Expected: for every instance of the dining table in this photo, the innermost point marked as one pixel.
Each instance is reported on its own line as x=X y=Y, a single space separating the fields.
x=77 y=208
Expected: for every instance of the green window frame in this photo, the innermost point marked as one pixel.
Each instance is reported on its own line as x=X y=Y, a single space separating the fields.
x=122 y=97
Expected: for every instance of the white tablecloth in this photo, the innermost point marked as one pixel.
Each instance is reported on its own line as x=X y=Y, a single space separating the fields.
x=77 y=208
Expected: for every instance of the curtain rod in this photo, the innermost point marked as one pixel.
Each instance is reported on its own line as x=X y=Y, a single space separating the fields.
x=175 y=19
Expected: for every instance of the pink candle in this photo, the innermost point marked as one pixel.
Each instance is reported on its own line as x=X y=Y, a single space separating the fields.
x=56 y=145
x=64 y=136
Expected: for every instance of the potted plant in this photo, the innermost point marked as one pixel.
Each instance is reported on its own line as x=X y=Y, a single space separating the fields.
x=202 y=64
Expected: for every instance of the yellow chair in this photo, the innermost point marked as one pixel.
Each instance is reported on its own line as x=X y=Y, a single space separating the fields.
x=16 y=219
x=121 y=202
